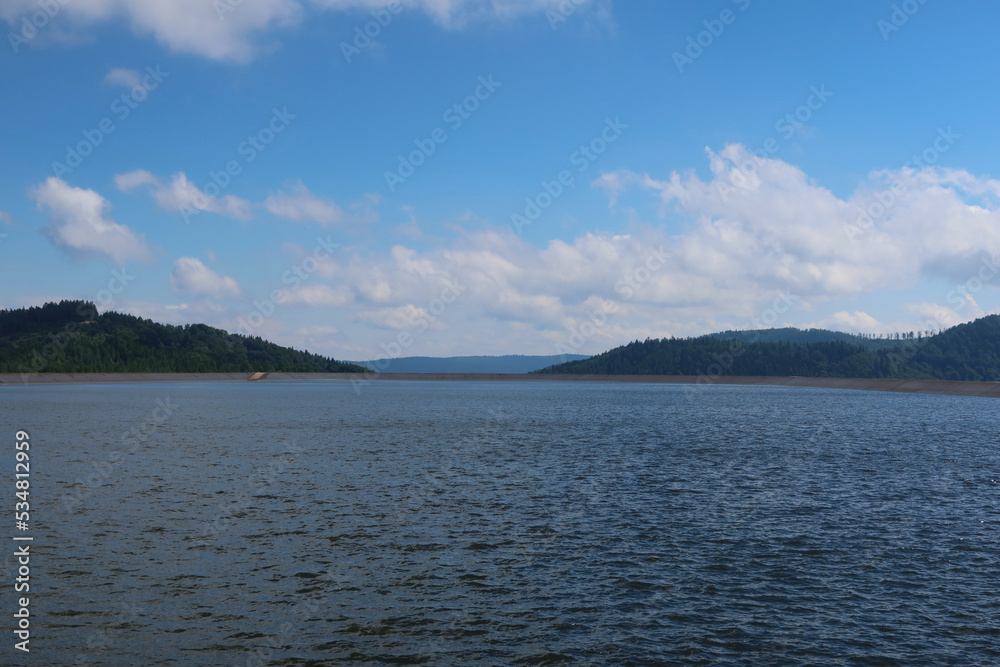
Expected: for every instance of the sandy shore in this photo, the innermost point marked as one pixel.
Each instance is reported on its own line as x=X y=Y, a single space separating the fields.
x=907 y=386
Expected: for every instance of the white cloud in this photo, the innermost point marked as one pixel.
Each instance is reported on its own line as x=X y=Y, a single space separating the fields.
x=300 y=204
x=183 y=196
x=765 y=221
x=185 y=26
x=235 y=31
x=135 y=179
x=406 y=260
x=6 y=218
x=180 y=195
x=722 y=265
x=79 y=223
x=937 y=316
x=736 y=252
x=614 y=183
x=191 y=275
x=739 y=238
x=122 y=76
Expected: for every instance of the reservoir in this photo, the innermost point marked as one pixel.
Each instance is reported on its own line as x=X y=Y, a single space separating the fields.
x=489 y=523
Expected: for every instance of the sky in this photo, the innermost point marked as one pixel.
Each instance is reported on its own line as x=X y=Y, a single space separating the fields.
x=366 y=179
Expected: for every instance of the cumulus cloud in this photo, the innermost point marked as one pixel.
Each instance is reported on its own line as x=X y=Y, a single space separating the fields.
x=764 y=220
x=937 y=316
x=6 y=218
x=297 y=203
x=301 y=205
x=757 y=236
x=191 y=275
x=184 y=197
x=79 y=223
x=750 y=232
x=181 y=195
x=235 y=31
x=747 y=233
x=122 y=76
x=135 y=179
x=221 y=31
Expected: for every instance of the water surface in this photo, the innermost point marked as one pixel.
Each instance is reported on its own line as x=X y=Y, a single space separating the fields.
x=475 y=523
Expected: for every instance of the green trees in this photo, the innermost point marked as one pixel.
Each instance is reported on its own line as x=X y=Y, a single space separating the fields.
x=965 y=352
x=71 y=337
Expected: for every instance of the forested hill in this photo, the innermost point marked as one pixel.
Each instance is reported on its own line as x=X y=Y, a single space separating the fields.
x=71 y=337
x=965 y=352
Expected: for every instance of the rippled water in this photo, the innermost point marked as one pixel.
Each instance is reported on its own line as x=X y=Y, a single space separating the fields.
x=450 y=523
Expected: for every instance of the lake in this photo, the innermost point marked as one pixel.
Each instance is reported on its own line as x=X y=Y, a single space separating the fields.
x=491 y=523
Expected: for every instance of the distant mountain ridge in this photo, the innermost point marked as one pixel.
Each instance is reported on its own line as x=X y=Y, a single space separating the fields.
x=511 y=363
x=72 y=337
x=965 y=352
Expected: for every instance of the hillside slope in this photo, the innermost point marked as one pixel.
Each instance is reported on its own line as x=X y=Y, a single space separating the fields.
x=71 y=337
x=966 y=352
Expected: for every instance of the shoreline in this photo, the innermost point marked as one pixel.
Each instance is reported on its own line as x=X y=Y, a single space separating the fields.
x=949 y=387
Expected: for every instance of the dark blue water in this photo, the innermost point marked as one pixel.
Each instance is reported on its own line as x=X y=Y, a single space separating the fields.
x=507 y=523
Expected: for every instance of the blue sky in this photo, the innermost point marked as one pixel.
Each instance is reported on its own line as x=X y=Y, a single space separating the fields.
x=613 y=171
